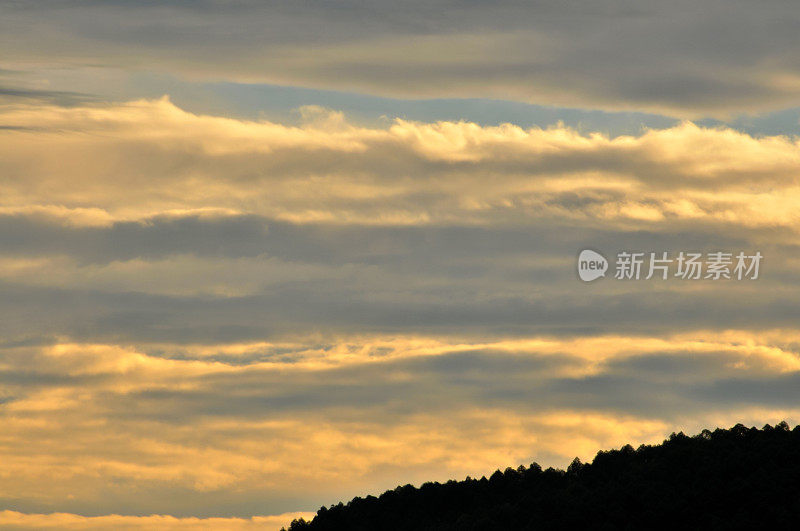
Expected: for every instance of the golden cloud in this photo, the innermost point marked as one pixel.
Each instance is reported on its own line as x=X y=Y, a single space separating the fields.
x=91 y=165
x=100 y=417
x=18 y=520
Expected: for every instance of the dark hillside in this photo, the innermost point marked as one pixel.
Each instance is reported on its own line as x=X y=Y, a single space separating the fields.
x=741 y=478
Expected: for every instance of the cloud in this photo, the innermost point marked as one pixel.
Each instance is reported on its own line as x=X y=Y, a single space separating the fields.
x=676 y=57
x=211 y=317
x=205 y=317
x=165 y=160
x=142 y=222
x=73 y=521
x=47 y=96
x=307 y=422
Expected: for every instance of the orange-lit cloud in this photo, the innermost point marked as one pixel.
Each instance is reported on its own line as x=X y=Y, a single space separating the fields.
x=217 y=309
x=308 y=419
x=91 y=165
x=18 y=520
x=248 y=317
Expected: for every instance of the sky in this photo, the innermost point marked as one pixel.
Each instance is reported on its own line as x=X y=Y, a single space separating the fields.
x=260 y=257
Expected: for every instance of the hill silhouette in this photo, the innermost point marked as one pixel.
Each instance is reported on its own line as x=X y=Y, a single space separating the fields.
x=741 y=478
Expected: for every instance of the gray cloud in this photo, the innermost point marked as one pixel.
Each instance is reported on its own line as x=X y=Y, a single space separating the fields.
x=683 y=57
x=45 y=96
x=123 y=282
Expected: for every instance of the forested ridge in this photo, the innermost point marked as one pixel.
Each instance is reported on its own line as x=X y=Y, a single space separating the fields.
x=740 y=478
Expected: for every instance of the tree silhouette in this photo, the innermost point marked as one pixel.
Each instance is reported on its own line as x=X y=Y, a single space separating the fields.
x=741 y=478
